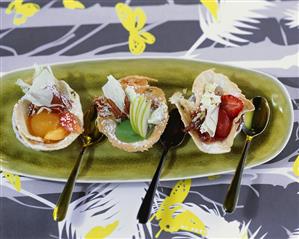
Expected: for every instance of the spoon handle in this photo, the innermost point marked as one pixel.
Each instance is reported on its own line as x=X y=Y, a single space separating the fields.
x=232 y=194
x=62 y=205
x=146 y=206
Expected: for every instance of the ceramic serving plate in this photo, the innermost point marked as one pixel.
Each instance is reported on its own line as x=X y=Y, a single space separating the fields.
x=105 y=163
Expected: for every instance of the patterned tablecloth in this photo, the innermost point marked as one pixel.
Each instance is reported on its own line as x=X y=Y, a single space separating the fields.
x=256 y=34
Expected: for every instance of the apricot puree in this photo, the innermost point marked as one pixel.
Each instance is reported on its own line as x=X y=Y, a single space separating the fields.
x=46 y=125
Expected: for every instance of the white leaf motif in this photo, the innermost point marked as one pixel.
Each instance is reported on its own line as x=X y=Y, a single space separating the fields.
x=102 y=205
x=292 y=17
x=232 y=16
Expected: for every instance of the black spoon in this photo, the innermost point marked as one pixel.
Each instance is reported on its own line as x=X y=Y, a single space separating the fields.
x=172 y=136
x=254 y=124
x=89 y=137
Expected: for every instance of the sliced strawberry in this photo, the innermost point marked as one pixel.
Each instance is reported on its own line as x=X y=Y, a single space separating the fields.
x=224 y=124
x=70 y=122
x=232 y=105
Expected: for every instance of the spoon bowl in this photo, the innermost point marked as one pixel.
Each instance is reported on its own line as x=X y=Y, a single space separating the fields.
x=255 y=122
x=174 y=133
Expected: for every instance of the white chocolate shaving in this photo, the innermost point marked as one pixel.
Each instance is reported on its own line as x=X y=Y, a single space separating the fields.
x=113 y=91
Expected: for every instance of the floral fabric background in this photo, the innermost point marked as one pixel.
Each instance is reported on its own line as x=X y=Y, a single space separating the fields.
x=256 y=34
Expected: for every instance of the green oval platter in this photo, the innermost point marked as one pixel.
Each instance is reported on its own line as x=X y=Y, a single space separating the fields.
x=104 y=163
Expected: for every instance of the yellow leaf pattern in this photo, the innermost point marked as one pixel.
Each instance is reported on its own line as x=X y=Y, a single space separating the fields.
x=170 y=220
x=101 y=232
x=296 y=166
x=22 y=11
x=133 y=21
x=25 y=10
x=73 y=4
x=212 y=6
x=13 y=179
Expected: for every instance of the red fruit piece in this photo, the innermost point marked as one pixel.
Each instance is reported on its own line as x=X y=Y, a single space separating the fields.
x=205 y=137
x=224 y=124
x=69 y=121
x=232 y=105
